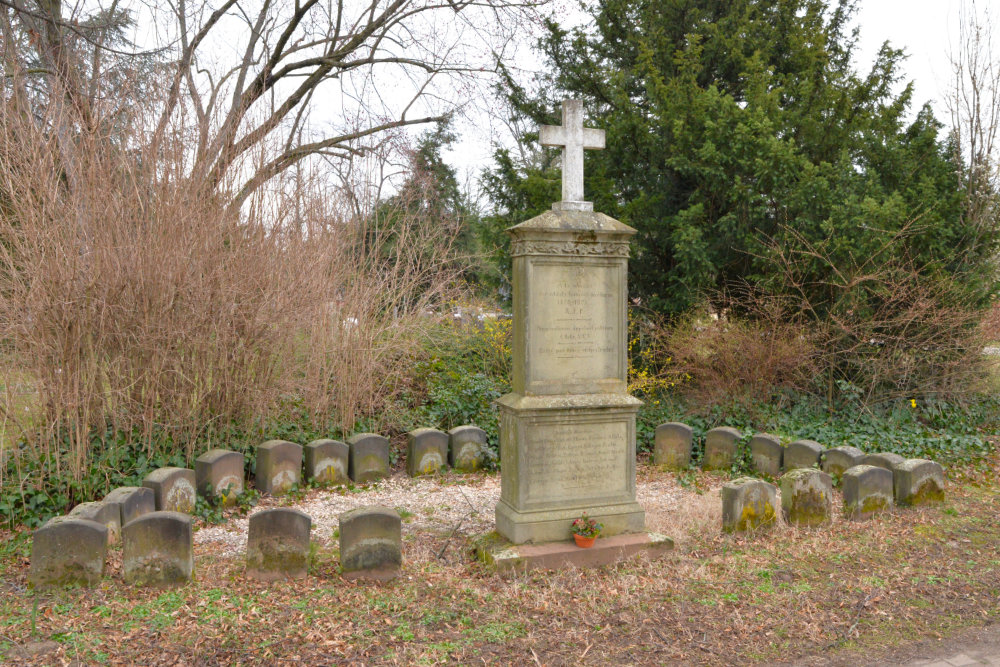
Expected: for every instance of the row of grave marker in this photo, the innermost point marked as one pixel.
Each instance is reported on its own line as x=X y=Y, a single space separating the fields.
x=66 y=548
x=158 y=548
x=807 y=494
x=768 y=456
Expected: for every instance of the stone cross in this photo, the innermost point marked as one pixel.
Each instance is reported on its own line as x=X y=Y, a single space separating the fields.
x=574 y=138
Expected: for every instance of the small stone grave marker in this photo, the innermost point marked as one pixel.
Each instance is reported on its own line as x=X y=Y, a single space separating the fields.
x=132 y=502
x=806 y=496
x=327 y=461
x=867 y=490
x=279 y=466
x=672 y=445
x=173 y=489
x=802 y=454
x=370 y=543
x=426 y=451
x=467 y=447
x=766 y=454
x=886 y=460
x=369 y=457
x=158 y=549
x=104 y=513
x=721 y=446
x=918 y=482
x=748 y=504
x=836 y=460
x=278 y=544
x=219 y=473
x=68 y=551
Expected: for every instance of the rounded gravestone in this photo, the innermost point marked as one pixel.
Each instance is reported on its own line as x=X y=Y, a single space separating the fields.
x=886 y=460
x=426 y=451
x=867 y=491
x=806 y=496
x=721 y=445
x=104 y=513
x=837 y=460
x=802 y=454
x=173 y=489
x=132 y=502
x=279 y=466
x=748 y=504
x=326 y=461
x=467 y=447
x=766 y=454
x=369 y=457
x=278 y=544
x=672 y=445
x=68 y=551
x=158 y=549
x=371 y=543
x=918 y=482
x=219 y=473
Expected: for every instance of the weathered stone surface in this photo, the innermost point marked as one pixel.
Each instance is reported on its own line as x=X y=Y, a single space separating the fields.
x=108 y=514
x=68 y=551
x=219 y=473
x=369 y=457
x=279 y=466
x=158 y=549
x=467 y=448
x=836 y=460
x=918 y=482
x=370 y=543
x=426 y=451
x=672 y=445
x=721 y=446
x=132 y=502
x=886 y=460
x=748 y=504
x=173 y=489
x=766 y=454
x=278 y=544
x=562 y=456
x=802 y=454
x=327 y=461
x=806 y=496
x=517 y=558
x=867 y=490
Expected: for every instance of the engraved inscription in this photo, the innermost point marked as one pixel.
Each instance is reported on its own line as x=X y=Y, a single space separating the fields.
x=576 y=334
x=582 y=461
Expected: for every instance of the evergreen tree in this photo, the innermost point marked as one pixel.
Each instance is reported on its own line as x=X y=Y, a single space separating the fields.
x=738 y=135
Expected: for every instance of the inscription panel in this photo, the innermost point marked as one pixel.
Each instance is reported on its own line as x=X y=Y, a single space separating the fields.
x=583 y=461
x=577 y=317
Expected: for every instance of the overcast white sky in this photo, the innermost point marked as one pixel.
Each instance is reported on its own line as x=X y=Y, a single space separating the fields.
x=925 y=29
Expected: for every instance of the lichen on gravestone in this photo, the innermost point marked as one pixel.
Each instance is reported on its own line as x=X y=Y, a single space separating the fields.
x=748 y=504
x=806 y=496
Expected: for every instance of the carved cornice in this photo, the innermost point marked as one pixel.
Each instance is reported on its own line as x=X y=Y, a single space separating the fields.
x=520 y=247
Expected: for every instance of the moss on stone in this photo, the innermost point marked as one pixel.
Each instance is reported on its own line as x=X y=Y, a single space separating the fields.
x=810 y=508
x=928 y=493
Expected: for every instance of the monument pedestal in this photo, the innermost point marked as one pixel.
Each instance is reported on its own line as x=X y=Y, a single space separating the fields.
x=562 y=456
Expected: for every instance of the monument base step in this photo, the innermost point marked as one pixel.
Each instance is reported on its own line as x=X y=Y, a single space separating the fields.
x=507 y=557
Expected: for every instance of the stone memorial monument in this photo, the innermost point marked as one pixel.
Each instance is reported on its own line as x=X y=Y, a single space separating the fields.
x=567 y=429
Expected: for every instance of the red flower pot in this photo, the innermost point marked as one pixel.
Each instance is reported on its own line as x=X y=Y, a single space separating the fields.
x=584 y=542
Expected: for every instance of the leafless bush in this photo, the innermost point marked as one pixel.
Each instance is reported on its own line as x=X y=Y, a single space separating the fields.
x=150 y=307
x=724 y=356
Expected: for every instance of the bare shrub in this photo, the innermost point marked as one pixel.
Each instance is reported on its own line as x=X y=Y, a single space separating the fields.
x=138 y=303
x=724 y=356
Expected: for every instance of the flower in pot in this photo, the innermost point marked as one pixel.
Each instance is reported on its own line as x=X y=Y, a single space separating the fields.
x=585 y=530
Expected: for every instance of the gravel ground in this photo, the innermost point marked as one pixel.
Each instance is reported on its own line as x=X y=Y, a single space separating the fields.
x=437 y=505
